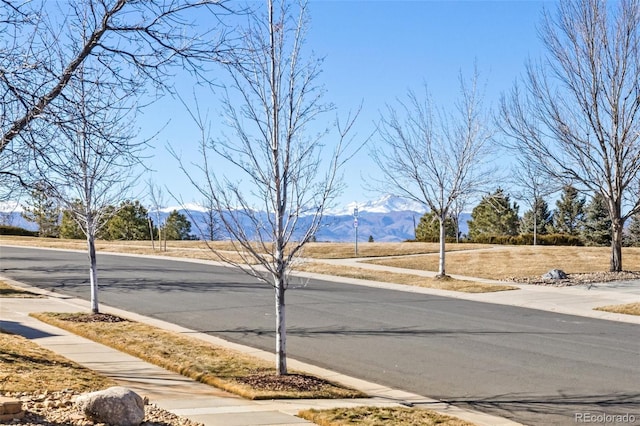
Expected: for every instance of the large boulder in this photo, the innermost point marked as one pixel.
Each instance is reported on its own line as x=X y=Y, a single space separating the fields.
x=555 y=274
x=116 y=406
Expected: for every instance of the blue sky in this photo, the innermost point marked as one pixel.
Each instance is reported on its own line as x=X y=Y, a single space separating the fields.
x=374 y=52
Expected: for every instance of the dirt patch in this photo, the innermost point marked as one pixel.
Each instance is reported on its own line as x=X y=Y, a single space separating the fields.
x=94 y=318
x=287 y=382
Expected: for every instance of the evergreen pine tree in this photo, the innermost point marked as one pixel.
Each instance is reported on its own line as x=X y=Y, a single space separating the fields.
x=569 y=213
x=428 y=229
x=596 y=230
x=43 y=211
x=69 y=228
x=494 y=215
x=177 y=227
x=633 y=232
x=130 y=222
x=540 y=221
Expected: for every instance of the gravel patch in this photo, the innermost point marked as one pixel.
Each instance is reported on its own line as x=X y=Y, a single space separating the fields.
x=578 y=279
x=58 y=408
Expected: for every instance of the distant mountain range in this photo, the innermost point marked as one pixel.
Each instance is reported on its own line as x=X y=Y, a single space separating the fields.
x=388 y=219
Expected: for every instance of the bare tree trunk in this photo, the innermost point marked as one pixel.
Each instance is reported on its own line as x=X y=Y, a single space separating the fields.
x=616 y=245
x=93 y=273
x=153 y=241
x=281 y=329
x=577 y=119
x=279 y=163
x=433 y=156
x=441 y=262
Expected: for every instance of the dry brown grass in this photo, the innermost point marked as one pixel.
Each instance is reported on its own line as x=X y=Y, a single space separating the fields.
x=380 y=416
x=477 y=260
x=407 y=279
x=202 y=250
x=510 y=261
x=180 y=249
x=25 y=367
x=194 y=358
x=7 y=290
x=347 y=250
x=628 y=309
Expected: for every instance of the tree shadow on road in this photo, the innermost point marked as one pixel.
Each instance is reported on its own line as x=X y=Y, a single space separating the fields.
x=560 y=409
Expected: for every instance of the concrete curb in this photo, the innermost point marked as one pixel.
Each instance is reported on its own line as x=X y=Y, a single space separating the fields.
x=380 y=395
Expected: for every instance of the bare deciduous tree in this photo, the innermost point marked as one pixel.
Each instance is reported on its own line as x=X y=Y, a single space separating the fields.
x=212 y=230
x=531 y=185
x=44 y=44
x=456 y=212
x=158 y=202
x=434 y=157
x=283 y=182
x=578 y=116
x=89 y=169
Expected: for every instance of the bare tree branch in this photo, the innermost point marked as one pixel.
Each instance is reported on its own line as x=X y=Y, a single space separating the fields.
x=434 y=157
x=286 y=183
x=578 y=117
x=93 y=159
x=43 y=45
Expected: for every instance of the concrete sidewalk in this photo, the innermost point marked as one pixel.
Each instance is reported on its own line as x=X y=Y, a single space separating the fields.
x=186 y=397
x=572 y=300
x=210 y=406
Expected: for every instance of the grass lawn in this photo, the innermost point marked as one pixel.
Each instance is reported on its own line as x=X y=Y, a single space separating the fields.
x=475 y=260
x=379 y=416
x=407 y=279
x=629 y=309
x=199 y=250
x=7 y=290
x=347 y=250
x=519 y=261
x=223 y=368
x=216 y=366
x=27 y=367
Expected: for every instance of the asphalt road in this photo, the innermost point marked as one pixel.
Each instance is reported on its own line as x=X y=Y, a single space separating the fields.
x=535 y=367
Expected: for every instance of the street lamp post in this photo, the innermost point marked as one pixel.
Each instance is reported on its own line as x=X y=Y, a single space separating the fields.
x=355 y=226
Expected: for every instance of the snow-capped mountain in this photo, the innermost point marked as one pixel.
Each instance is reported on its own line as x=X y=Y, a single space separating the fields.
x=386 y=204
x=388 y=219
x=10 y=207
x=188 y=206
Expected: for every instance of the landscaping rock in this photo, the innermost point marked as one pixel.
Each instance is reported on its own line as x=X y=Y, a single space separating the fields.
x=35 y=413
x=10 y=409
x=117 y=406
x=555 y=274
